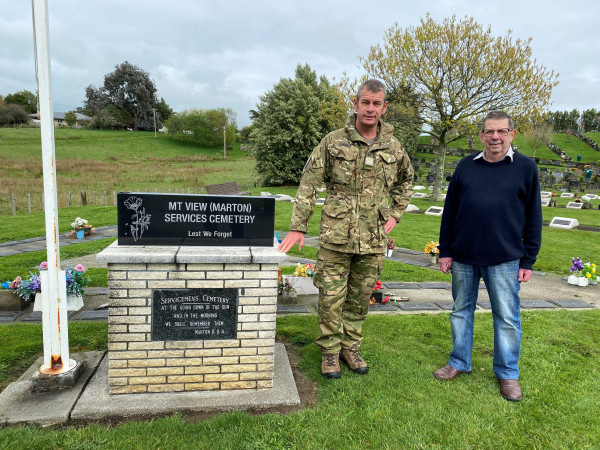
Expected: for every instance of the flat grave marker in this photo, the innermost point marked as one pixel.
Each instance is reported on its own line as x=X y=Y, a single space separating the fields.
x=564 y=222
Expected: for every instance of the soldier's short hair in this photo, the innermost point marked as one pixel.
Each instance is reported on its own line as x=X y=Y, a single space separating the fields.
x=372 y=85
x=498 y=115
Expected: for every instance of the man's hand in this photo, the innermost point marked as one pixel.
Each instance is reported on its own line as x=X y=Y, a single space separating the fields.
x=390 y=224
x=290 y=240
x=525 y=274
x=445 y=264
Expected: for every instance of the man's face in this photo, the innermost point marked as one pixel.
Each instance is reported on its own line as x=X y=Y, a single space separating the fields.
x=369 y=107
x=494 y=139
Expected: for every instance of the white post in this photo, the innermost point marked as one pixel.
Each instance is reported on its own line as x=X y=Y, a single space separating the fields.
x=224 y=144
x=154 y=112
x=54 y=299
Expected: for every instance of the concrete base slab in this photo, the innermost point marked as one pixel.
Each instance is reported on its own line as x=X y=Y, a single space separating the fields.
x=18 y=405
x=95 y=402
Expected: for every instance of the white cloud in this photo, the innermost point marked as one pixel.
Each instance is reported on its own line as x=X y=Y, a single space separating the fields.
x=228 y=53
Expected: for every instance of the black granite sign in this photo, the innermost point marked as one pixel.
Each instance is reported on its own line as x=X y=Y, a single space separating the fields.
x=194 y=314
x=209 y=220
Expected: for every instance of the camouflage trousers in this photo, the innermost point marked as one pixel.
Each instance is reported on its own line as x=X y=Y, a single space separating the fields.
x=345 y=282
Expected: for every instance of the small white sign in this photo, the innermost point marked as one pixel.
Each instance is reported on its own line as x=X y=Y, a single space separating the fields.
x=545 y=194
x=567 y=195
x=546 y=202
x=564 y=222
x=420 y=195
x=574 y=205
x=434 y=211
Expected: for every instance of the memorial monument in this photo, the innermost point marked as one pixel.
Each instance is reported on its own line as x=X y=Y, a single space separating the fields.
x=192 y=293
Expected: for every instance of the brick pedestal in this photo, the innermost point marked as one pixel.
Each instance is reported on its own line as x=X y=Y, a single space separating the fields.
x=137 y=364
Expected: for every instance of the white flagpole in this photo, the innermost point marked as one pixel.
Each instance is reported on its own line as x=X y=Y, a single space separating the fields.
x=54 y=299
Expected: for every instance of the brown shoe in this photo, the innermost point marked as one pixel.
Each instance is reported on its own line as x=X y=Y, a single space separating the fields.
x=330 y=365
x=511 y=390
x=353 y=360
x=448 y=373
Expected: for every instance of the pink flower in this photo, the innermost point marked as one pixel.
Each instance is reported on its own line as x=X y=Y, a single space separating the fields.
x=44 y=265
x=79 y=268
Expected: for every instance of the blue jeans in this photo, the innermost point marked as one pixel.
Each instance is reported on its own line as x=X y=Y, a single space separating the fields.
x=503 y=287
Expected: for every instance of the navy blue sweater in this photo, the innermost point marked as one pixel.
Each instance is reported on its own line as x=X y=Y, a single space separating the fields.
x=493 y=212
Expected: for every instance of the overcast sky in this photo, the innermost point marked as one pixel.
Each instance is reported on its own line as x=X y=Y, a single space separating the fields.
x=227 y=53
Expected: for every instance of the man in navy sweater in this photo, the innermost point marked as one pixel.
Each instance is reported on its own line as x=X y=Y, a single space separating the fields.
x=492 y=229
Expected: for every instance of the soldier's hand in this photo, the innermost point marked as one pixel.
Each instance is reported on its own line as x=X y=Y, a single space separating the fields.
x=290 y=240
x=390 y=224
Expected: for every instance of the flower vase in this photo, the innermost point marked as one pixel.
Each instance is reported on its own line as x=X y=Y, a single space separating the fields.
x=435 y=257
x=80 y=233
x=389 y=252
x=577 y=281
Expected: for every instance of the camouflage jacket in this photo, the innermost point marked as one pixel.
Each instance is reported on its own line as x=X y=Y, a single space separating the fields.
x=358 y=179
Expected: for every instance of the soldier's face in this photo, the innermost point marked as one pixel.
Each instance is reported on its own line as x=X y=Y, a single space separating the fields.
x=369 y=107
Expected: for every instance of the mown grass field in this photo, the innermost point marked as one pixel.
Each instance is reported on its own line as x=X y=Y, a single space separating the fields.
x=398 y=404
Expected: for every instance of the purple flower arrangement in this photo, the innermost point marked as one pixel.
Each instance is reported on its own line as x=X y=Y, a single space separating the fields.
x=577 y=266
x=25 y=288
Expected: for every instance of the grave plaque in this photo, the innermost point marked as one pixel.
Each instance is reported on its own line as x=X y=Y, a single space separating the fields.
x=567 y=195
x=546 y=202
x=434 y=211
x=194 y=314
x=420 y=195
x=545 y=194
x=209 y=220
x=574 y=205
x=564 y=222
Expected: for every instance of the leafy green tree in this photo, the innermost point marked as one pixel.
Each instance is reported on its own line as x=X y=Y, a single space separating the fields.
x=163 y=111
x=290 y=120
x=459 y=72
x=26 y=99
x=129 y=89
x=71 y=118
x=13 y=114
x=538 y=136
x=590 y=120
x=203 y=127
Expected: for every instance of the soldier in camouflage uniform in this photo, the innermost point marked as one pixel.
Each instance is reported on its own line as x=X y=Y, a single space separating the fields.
x=360 y=165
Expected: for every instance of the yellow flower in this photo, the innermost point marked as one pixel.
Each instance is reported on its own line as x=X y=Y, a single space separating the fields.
x=588 y=275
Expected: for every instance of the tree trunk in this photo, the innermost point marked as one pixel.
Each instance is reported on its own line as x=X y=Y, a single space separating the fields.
x=436 y=195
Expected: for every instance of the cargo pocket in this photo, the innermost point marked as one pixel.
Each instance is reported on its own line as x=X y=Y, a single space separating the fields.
x=343 y=163
x=390 y=171
x=335 y=220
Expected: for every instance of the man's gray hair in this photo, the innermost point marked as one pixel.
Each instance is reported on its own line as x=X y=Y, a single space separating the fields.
x=498 y=115
x=372 y=86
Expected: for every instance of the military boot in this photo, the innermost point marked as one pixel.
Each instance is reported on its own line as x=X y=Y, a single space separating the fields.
x=353 y=360
x=330 y=365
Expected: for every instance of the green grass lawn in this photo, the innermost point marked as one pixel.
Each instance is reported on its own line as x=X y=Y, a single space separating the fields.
x=398 y=404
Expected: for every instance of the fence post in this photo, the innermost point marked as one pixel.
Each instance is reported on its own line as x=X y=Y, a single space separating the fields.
x=14 y=206
x=43 y=203
x=69 y=204
x=83 y=196
x=104 y=198
x=94 y=198
x=195 y=189
x=114 y=198
x=29 y=202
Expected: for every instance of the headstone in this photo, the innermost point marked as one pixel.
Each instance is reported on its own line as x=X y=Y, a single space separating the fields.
x=567 y=195
x=411 y=208
x=419 y=188
x=420 y=195
x=574 y=205
x=545 y=194
x=195 y=220
x=564 y=222
x=546 y=202
x=434 y=211
x=592 y=196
